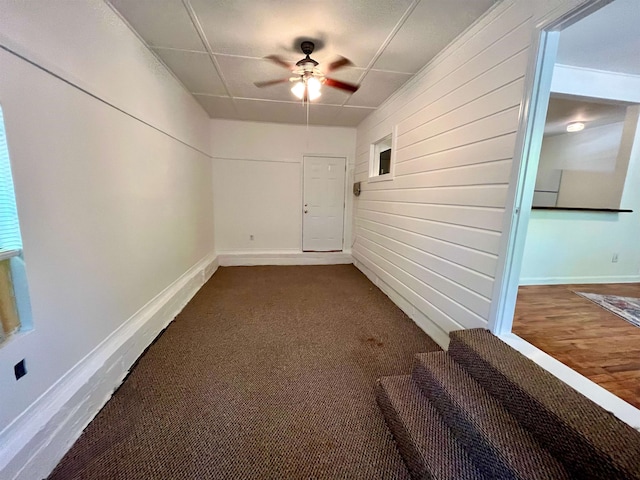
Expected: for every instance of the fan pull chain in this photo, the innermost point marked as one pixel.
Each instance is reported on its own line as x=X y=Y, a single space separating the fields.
x=307 y=125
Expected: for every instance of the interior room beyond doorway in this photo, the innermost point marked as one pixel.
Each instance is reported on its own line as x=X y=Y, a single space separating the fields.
x=584 y=336
x=581 y=234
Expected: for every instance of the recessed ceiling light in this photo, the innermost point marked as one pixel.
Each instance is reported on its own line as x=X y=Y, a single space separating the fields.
x=575 y=127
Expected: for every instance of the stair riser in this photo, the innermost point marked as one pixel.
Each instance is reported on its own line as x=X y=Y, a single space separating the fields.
x=403 y=441
x=578 y=456
x=479 y=447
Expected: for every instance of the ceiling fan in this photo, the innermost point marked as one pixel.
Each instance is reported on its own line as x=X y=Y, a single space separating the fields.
x=306 y=77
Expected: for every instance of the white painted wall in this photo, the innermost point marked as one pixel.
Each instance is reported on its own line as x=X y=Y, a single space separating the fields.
x=431 y=238
x=577 y=247
x=594 y=176
x=257 y=182
x=586 y=166
x=113 y=209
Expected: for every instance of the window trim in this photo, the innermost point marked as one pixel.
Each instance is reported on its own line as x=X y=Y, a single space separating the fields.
x=374 y=160
x=6 y=254
x=11 y=247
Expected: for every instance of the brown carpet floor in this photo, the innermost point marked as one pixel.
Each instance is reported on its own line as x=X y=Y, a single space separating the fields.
x=269 y=372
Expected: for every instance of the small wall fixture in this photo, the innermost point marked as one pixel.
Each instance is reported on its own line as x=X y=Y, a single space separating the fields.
x=575 y=127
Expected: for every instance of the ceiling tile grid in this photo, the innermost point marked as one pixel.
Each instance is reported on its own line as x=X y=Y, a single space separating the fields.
x=217 y=49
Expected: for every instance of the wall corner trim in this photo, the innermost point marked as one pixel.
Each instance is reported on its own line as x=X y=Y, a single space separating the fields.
x=36 y=441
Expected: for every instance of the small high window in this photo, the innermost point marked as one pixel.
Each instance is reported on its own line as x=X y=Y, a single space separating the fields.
x=15 y=311
x=382 y=158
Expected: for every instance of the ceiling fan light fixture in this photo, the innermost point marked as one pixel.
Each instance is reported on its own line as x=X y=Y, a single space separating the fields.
x=313 y=84
x=313 y=94
x=298 y=89
x=313 y=88
x=575 y=127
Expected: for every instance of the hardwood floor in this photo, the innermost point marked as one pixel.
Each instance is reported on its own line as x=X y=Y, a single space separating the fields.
x=593 y=341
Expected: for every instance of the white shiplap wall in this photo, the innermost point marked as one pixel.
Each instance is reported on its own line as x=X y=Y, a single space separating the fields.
x=431 y=237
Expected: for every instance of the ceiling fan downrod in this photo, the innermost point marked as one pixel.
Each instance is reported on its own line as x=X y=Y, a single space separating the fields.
x=307 y=48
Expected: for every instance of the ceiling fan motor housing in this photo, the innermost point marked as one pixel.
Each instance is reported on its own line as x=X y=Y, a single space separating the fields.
x=307 y=63
x=307 y=47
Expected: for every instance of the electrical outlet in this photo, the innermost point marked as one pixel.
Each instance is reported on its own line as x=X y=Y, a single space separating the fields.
x=251 y=237
x=614 y=258
x=20 y=369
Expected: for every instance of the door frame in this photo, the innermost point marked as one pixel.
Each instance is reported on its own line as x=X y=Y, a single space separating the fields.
x=345 y=210
x=533 y=112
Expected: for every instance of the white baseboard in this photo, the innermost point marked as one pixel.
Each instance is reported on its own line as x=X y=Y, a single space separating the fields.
x=430 y=328
x=579 y=280
x=36 y=441
x=425 y=323
x=607 y=400
x=237 y=259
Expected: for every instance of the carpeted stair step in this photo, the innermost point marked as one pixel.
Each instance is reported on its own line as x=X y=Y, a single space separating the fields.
x=590 y=441
x=424 y=441
x=497 y=444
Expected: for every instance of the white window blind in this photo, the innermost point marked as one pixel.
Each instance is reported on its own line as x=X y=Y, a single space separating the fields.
x=10 y=238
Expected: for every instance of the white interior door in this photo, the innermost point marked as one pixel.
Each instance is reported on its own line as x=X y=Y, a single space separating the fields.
x=323 y=209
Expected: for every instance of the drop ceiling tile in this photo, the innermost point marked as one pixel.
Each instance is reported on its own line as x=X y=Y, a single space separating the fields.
x=194 y=69
x=161 y=24
x=241 y=72
x=376 y=87
x=267 y=111
x=282 y=112
x=354 y=29
x=337 y=116
x=323 y=114
x=218 y=107
x=429 y=28
x=331 y=96
x=351 y=116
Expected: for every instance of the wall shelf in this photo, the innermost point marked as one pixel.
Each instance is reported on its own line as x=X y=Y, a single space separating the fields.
x=580 y=209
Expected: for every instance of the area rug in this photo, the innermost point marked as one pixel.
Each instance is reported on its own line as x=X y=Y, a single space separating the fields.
x=627 y=308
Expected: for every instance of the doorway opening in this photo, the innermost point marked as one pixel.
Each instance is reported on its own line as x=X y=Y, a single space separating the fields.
x=577 y=208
